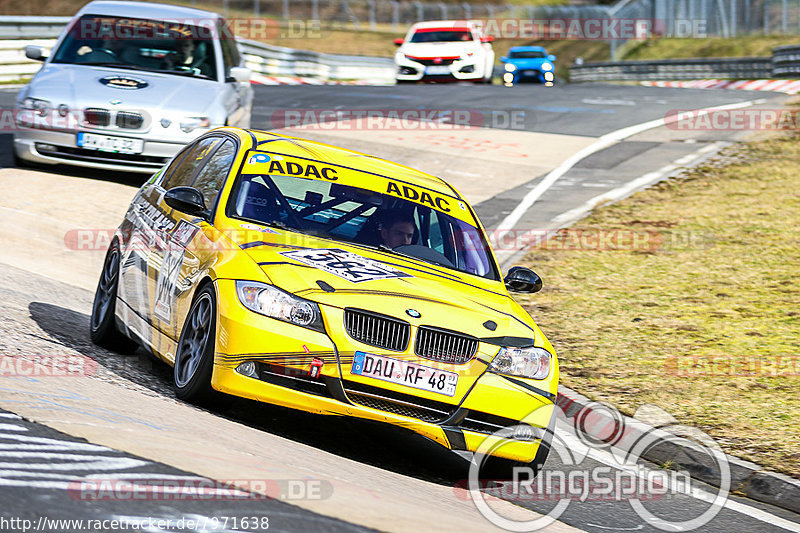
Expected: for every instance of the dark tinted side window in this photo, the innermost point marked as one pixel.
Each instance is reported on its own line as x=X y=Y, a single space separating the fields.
x=182 y=171
x=230 y=54
x=212 y=176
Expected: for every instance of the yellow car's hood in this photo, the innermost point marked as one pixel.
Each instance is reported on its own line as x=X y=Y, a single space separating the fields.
x=342 y=275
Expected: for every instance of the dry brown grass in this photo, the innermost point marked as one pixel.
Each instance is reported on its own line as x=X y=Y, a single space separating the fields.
x=674 y=325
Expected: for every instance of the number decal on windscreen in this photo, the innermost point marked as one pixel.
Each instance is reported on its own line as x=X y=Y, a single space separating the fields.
x=346 y=265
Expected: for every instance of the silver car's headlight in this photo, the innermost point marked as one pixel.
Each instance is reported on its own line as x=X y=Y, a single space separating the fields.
x=275 y=303
x=37 y=105
x=530 y=362
x=189 y=124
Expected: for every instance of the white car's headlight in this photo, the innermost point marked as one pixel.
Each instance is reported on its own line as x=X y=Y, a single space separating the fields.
x=191 y=123
x=530 y=362
x=547 y=66
x=37 y=105
x=275 y=303
x=510 y=67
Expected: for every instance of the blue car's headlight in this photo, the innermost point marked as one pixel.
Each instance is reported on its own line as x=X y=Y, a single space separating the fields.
x=510 y=67
x=547 y=66
x=530 y=362
x=275 y=303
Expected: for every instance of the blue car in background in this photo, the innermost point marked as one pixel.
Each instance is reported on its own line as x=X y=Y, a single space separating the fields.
x=528 y=63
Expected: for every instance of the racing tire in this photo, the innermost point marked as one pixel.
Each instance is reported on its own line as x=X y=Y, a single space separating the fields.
x=103 y=328
x=194 y=357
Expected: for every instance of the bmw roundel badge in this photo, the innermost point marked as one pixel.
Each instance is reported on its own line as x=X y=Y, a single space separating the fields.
x=413 y=313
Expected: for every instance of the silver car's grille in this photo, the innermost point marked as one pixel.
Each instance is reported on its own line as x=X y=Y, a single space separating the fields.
x=96 y=116
x=445 y=346
x=129 y=120
x=377 y=330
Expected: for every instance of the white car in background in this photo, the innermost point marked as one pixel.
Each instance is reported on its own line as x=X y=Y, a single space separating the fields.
x=444 y=50
x=128 y=84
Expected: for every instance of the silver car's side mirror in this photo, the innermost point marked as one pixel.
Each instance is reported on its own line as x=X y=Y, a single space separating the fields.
x=35 y=52
x=240 y=74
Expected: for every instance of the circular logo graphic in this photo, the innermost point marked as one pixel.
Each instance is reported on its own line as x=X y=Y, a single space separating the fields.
x=123 y=82
x=413 y=313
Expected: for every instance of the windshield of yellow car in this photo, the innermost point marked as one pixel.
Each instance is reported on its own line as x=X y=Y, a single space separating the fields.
x=364 y=217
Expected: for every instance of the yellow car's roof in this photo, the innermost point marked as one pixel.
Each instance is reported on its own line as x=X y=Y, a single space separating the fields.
x=268 y=142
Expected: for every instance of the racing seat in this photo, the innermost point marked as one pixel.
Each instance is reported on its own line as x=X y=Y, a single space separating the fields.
x=199 y=58
x=257 y=202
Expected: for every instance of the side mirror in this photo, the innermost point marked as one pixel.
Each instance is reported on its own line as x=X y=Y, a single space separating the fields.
x=551 y=57
x=398 y=42
x=240 y=74
x=487 y=39
x=521 y=279
x=504 y=59
x=35 y=52
x=187 y=200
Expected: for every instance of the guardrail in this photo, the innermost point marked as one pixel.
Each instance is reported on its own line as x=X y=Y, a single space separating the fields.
x=676 y=69
x=261 y=58
x=786 y=61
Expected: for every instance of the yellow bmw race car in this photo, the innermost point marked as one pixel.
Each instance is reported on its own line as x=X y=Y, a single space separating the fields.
x=317 y=278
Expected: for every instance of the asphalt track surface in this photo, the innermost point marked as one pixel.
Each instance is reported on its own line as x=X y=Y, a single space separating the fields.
x=46 y=315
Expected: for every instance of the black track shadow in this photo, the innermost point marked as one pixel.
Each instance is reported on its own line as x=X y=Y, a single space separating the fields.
x=388 y=447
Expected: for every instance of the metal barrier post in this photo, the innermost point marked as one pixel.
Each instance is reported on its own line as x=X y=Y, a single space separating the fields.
x=784 y=17
x=371 y=4
x=395 y=13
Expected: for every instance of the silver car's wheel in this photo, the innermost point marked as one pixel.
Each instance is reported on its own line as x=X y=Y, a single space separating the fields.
x=195 y=354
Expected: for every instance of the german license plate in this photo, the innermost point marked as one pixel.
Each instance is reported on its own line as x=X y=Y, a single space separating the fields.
x=437 y=70
x=405 y=373
x=107 y=143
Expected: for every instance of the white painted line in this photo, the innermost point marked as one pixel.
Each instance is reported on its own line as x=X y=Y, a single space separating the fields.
x=578 y=447
x=605 y=141
x=627 y=189
x=146 y=475
x=101 y=464
x=10 y=415
x=12 y=427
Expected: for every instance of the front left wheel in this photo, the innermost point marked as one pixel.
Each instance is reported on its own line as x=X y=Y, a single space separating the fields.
x=103 y=328
x=194 y=358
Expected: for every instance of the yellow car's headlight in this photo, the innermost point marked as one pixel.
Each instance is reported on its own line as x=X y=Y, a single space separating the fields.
x=530 y=362
x=275 y=303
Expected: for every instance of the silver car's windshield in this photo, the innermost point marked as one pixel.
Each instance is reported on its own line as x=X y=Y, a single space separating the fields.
x=364 y=217
x=140 y=44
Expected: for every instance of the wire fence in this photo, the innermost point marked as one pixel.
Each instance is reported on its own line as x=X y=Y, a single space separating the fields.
x=679 y=18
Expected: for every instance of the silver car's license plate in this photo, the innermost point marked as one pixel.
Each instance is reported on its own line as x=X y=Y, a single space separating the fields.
x=405 y=373
x=107 y=143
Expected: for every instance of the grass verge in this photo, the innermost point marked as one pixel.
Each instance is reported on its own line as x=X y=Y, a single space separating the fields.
x=705 y=320
x=667 y=48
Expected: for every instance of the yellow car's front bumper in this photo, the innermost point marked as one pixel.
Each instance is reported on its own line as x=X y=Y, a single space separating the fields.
x=284 y=355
